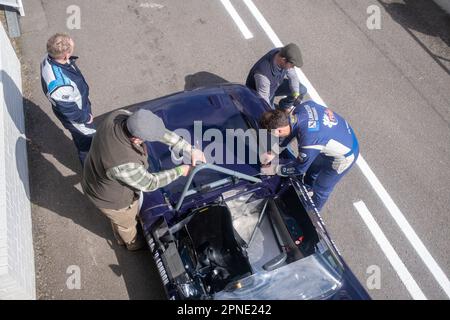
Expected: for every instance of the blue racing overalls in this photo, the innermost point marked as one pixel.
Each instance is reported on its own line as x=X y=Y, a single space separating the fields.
x=68 y=92
x=327 y=148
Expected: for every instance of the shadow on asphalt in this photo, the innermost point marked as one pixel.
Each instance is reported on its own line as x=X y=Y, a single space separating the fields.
x=192 y=82
x=202 y=79
x=52 y=190
x=57 y=193
x=423 y=16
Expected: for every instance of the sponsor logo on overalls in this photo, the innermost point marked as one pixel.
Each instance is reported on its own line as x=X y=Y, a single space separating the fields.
x=313 y=118
x=329 y=119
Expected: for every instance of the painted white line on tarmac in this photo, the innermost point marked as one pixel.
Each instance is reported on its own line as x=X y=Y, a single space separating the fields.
x=389 y=251
x=263 y=23
x=395 y=212
x=406 y=228
x=237 y=19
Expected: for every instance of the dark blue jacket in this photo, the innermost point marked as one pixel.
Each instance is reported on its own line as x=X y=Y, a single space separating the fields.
x=320 y=132
x=68 y=92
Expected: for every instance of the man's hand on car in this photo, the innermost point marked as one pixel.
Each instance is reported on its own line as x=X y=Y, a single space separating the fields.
x=269 y=169
x=186 y=169
x=197 y=156
x=267 y=157
x=297 y=99
x=290 y=102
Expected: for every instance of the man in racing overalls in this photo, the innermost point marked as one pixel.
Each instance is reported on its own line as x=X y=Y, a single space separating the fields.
x=327 y=147
x=67 y=90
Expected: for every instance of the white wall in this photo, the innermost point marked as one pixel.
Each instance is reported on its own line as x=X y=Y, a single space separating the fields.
x=444 y=4
x=17 y=274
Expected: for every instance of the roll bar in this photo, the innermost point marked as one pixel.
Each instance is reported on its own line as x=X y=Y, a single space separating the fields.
x=208 y=166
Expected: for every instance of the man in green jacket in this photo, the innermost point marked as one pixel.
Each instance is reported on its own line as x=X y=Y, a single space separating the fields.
x=115 y=169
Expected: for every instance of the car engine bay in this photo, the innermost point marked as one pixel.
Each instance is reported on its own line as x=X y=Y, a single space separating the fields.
x=214 y=246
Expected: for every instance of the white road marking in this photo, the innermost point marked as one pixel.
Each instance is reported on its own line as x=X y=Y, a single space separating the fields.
x=263 y=23
x=237 y=19
x=394 y=211
x=404 y=225
x=151 y=5
x=389 y=251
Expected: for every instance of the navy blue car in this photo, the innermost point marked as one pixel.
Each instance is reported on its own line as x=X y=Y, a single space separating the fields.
x=225 y=231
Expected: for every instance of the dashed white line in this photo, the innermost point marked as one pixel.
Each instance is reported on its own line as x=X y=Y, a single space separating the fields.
x=406 y=228
x=237 y=19
x=389 y=251
x=394 y=211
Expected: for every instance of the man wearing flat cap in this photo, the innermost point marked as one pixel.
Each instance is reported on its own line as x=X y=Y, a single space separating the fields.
x=115 y=170
x=274 y=75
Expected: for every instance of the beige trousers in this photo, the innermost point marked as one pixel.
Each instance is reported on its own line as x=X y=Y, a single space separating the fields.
x=124 y=222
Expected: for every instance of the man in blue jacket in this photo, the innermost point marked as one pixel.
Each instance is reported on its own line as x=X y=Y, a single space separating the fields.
x=274 y=75
x=327 y=147
x=67 y=90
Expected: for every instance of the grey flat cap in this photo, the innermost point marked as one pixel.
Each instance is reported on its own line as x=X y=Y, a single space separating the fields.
x=145 y=125
x=292 y=54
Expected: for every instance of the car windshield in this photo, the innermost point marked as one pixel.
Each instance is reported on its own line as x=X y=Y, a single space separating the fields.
x=311 y=278
x=224 y=134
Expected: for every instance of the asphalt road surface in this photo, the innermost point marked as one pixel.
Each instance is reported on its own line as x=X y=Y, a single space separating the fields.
x=392 y=84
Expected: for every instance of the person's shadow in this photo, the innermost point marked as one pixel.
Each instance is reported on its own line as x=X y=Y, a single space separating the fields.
x=202 y=79
x=53 y=175
x=425 y=17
